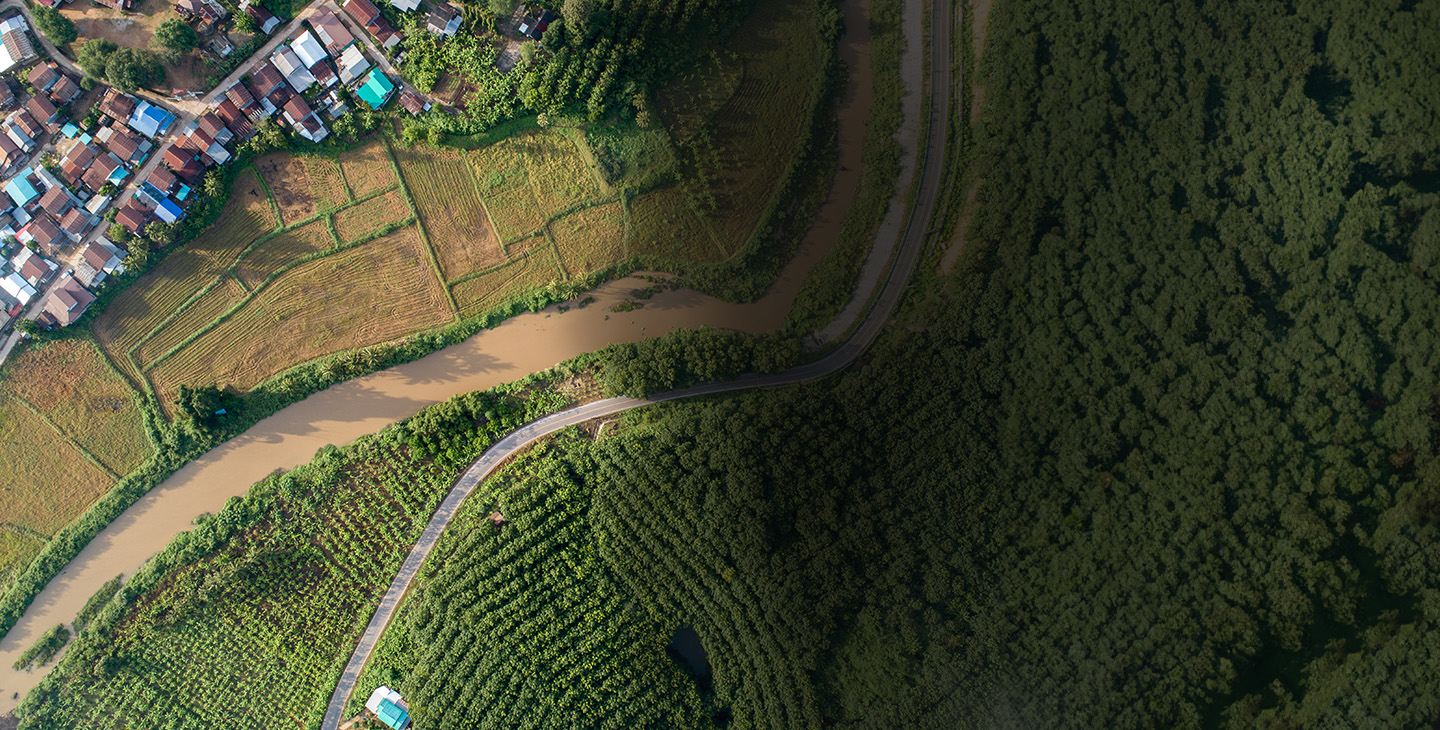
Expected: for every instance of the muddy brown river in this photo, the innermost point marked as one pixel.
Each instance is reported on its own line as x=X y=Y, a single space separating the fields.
x=507 y=352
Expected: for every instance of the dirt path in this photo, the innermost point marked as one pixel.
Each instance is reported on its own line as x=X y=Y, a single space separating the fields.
x=980 y=14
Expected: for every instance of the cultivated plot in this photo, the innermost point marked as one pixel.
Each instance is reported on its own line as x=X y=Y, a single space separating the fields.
x=443 y=189
x=50 y=482
x=663 y=224
x=367 y=169
x=492 y=288
x=69 y=382
x=282 y=250
x=590 y=239
x=198 y=314
x=373 y=215
x=142 y=306
x=372 y=293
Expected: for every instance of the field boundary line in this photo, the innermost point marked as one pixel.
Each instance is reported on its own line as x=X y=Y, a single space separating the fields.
x=238 y=280
x=94 y=461
x=152 y=433
x=265 y=284
x=276 y=218
x=420 y=226
x=496 y=267
x=330 y=226
x=555 y=249
x=628 y=231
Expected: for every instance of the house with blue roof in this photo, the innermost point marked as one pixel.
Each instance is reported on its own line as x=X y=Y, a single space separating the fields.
x=150 y=120
x=149 y=195
x=169 y=211
x=20 y=189
x=387 y=705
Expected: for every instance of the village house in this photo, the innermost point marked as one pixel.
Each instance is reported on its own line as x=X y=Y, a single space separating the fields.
x=44 y=112
x=116 y=105
x=99 y=259
x=77 y=222
x=376 y=90
x=235 y=120
x=76 y=161
x=15 y=47
x=215 y=127
x=413 y=102
x=67 y=302
x=264 y=19
x=442 y=19
x=353 y=64
x=332 y=31
x=44 y=234
x=133 y=217
x=7 y=94
x=43 y=76
x=150 y=120
x=297 y=72
x=33 y=268
x=64 y=91
x=106 y=169
x=304 y=120
x=126 y=146
x=184 y=164
x=270 y=87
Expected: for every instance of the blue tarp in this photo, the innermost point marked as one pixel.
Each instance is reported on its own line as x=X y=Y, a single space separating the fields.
x=168 y=211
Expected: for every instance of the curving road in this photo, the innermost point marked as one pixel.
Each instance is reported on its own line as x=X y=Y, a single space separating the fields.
x=910 y=249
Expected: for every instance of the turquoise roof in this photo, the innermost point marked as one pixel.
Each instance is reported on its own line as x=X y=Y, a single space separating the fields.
x=393 y=715
x=20 y=190
x=376 y=90
x=69 y=130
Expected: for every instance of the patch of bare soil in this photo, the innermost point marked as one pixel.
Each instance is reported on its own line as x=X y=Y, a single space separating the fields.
x=289 y=185
x=135 y=30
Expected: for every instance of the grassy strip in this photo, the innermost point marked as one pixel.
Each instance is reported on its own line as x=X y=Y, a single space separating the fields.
x=44 y=649
x=830 y=285
x=96 y=603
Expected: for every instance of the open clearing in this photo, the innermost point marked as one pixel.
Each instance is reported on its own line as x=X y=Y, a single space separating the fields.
x=316 y=309
x=443 y=189
x=145 y=304
x=367 y=169
x=70 y=382
x=590 y=239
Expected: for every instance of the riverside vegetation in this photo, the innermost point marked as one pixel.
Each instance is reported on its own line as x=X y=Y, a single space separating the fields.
x=1160 y=453
x=551 y=206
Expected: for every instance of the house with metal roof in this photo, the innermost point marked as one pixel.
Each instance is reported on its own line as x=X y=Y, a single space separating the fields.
x=17 y=288
x=263 y=18
x=44 y=233
x=77 y=222
x=304 y=120
x=150 y=120
x=442 y=19
x=133 y=216
x=390 y=707
x=405 y=6
x=64 y=91
x=20 y=189
x=332 y=31
x=44 y=112
x=15 y=46
x=308 y=48
x=67 y=302
x=42 y=76
x=32 y=267
x=353 y=63
x=297 y=72
x=376 y=90
x=169 y=211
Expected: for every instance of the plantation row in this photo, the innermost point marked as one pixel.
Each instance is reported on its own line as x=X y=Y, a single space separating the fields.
x=253 y=614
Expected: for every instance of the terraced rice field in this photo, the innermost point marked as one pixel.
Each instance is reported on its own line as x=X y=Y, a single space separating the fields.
x=198 y=315
x=590 y=239
x=50 y=482
x=363 y=219
x=150 y=300
x=283 y=250
x=663 y=224
x=367 y=169
x=72 y=385
x=443 y=189
x=559 y=176
x=492 y=288
x=315 y=309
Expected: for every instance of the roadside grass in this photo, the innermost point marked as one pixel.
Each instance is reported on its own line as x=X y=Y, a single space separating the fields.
x=48 y=480
x=283 y=250
x=663 y=224
x=489 y=289
x=145 y=304
x=69 y=382
x=443 y=188
x=315 y=309
x=371 y=216
x=367 y=169
x=591 y=239
x=199 y=313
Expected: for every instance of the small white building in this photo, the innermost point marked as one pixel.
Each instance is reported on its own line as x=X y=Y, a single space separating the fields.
x=296 y=72
x=353 y=64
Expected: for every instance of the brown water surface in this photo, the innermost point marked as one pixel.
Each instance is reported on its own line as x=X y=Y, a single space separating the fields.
x=517 y=347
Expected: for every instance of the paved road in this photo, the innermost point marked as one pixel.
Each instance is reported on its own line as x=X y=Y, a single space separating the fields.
x=494 y=456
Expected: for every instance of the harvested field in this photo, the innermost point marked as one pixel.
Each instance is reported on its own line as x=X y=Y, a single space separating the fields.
x=142 y=306
x=69 y=381
x=663 y=224
x=283 y=250
x=195 y=317
x=559 y=175
x=514 y=213
x=443 y=189
x=363 y=219
x=590 y=239
x=505 y=282
x=373 y=293
x=367 y=168
x=327 y=183
x=289 y=184
x=49 y=482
